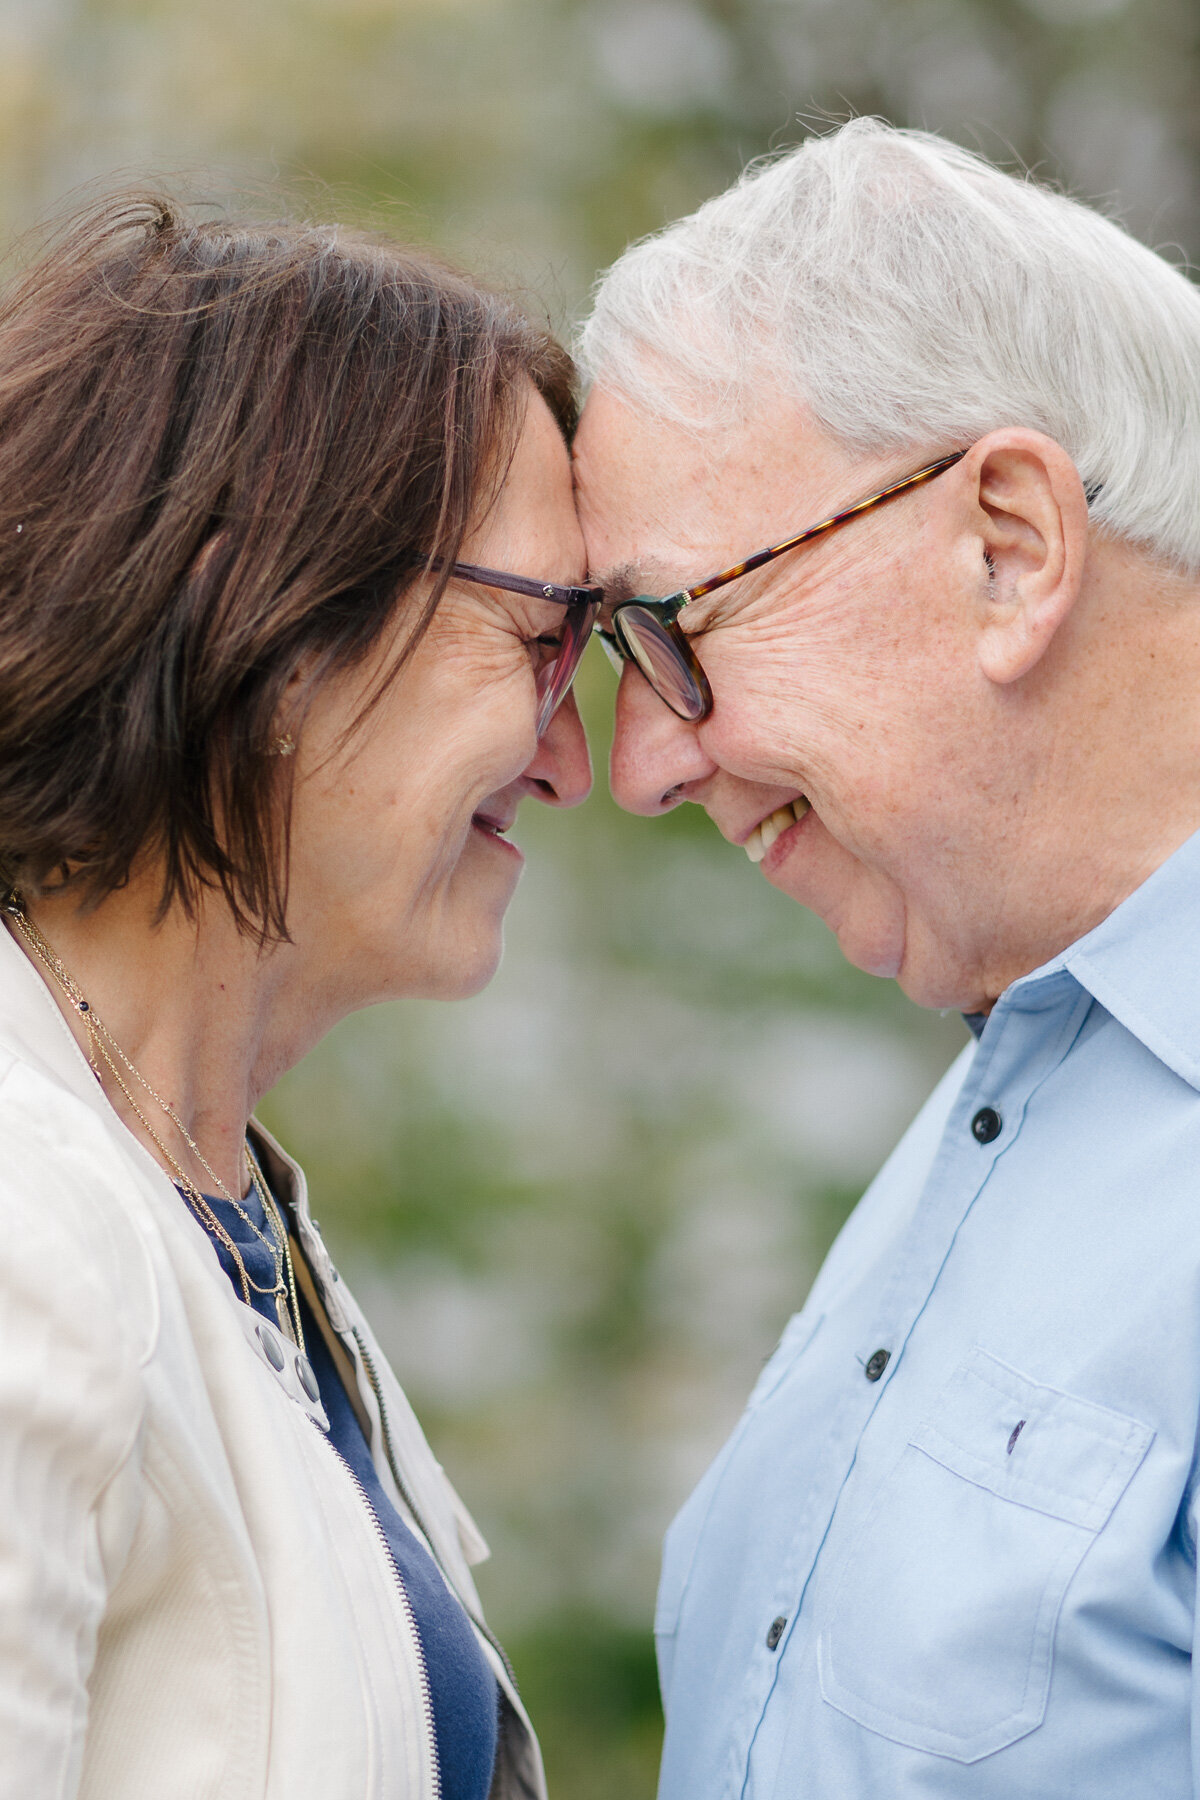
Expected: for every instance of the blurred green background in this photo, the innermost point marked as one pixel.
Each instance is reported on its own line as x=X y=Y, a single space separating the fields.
x=581 y=1207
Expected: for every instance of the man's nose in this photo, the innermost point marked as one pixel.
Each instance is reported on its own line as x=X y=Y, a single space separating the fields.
x=654 y=752
x=562 y=766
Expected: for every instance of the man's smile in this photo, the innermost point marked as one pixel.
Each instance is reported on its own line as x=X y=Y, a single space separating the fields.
x=760 y=839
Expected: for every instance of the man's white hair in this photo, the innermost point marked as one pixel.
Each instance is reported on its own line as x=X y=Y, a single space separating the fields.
x=914 y=298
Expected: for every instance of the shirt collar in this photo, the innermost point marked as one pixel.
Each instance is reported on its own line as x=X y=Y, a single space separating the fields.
x=1143 y=963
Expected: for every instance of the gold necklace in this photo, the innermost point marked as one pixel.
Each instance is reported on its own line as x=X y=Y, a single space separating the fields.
x=101 y=1042
x=271 y=1211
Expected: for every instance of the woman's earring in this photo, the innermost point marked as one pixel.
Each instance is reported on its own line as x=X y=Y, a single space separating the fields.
x=284 y=746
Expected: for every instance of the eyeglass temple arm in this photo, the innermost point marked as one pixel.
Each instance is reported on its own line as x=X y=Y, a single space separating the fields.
x=765 y=556
x=524 y=584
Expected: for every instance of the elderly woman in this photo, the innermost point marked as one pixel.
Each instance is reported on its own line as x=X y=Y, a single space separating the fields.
x=289 y=614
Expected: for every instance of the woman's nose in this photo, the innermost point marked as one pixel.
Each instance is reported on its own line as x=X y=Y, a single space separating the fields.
x=654 y=752
x=562 y=766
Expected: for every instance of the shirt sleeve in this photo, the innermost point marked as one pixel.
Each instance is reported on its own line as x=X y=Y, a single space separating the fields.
x=71 y=1404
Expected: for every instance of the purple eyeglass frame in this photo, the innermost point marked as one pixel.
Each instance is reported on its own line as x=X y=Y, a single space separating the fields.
x=583 y=609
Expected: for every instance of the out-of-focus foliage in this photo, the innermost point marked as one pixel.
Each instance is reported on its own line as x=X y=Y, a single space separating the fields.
x=535 y=137
x=582 y=1206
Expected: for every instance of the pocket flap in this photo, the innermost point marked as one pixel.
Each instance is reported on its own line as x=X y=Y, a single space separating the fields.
x=1034 y=1445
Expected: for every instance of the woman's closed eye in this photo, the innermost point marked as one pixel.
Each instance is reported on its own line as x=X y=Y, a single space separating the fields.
x=544 y=648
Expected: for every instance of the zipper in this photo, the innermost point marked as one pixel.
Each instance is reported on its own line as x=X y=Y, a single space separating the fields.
x=407 y=1496
x=406 y=1604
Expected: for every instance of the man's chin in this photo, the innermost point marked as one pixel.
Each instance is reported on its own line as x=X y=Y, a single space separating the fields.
x=941 y=986
x=873 y=934
x=865 y=913
x=883 y=960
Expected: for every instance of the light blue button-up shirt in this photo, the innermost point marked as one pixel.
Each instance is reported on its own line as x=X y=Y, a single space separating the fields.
x=974 y=1573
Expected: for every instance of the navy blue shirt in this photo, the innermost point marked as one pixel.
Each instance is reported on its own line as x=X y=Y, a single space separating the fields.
x=463 y=1690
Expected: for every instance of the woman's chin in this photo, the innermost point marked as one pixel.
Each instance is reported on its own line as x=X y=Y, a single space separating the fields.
x=475 y=971
x=472 y=940
x=447 y=950
x=462 y=967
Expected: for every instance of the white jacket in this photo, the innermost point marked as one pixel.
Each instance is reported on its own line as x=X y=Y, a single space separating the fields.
x=195 y=1601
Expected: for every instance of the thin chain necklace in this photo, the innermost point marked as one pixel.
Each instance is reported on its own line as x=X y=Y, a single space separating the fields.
x=102 y=1043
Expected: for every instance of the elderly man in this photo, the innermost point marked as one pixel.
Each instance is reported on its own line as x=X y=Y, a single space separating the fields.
x=953 y=707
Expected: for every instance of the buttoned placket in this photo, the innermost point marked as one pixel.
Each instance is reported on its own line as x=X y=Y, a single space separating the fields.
x=1026 y=1038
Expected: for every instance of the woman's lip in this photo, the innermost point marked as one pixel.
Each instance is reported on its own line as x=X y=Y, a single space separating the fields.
x=492 y=831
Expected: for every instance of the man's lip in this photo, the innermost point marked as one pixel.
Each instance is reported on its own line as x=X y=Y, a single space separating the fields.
x=741 y=835
x=761 y=838
x=781 y=848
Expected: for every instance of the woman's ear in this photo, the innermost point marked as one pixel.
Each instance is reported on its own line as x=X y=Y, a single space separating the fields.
x=1033 y=522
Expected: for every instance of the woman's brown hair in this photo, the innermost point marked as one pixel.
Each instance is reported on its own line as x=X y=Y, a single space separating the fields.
x=226 y=452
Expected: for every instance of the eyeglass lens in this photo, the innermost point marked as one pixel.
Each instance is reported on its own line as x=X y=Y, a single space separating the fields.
x=554 y=680
x=656 y=654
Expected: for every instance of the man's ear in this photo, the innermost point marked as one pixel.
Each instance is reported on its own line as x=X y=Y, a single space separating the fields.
x=1033 y=521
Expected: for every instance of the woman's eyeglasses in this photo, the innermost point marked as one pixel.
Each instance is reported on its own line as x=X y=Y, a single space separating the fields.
x=646 y=632
x=554 y=675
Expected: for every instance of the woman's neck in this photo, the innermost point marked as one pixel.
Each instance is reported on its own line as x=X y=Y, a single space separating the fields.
x=194 y=1005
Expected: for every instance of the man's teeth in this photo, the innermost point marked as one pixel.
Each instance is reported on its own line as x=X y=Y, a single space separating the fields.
x=764 y=835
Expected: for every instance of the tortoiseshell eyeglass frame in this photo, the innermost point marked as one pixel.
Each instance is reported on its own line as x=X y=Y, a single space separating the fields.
x=657 y=619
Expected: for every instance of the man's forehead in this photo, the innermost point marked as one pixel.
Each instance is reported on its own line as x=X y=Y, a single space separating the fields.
x=627 y=458
x=661 y=504
x=644 y=524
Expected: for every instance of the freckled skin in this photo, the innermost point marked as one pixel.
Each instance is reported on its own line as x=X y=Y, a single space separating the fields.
x=966 y=742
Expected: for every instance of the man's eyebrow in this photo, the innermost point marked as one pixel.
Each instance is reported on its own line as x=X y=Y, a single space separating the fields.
x=621 y=584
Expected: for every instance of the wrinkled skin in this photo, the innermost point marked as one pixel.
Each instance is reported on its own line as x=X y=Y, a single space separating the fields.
x=993 y=710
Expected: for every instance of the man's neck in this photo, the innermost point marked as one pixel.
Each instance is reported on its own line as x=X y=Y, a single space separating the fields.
x=1111 y=748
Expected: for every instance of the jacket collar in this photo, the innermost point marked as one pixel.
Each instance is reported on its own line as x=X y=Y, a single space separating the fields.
x=1143 y=964
x=32 y=1024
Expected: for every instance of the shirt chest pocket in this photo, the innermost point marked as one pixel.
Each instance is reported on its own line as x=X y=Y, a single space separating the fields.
x=941 y=1624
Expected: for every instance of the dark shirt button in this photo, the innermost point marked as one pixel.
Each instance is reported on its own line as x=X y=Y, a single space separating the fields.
x=778 y=1626
x=271 y=1349
x=306 y=1378
x=986 y=1125
x=877 y=1364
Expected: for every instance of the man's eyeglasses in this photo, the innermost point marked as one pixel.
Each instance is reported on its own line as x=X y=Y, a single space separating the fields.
x=646 y=632
x=556 y=673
